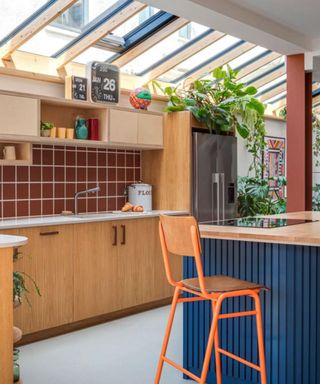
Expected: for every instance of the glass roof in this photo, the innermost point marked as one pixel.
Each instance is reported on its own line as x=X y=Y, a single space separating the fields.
x=276 y=98
x=84 y=16
x=135 y=21
x=168 y=45
x=272 y=84
x=243 y=59
x=75 y=21
x=263 y=70
x=181 y=69
x=246 y=57
x=66 y=27
x=15 y=12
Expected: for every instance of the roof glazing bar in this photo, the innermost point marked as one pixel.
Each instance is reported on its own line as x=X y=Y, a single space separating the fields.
x=208 y=61
x=94 y=24
x=174 y=53
x=152 y=25
x=26 y=22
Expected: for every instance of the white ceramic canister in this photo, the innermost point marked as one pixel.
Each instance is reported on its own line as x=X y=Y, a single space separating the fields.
x=140 y=194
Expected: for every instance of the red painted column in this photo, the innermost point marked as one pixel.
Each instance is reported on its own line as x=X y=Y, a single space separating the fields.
x=299 y=134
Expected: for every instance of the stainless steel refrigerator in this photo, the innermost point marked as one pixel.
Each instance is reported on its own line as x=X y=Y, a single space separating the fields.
x=214 y=177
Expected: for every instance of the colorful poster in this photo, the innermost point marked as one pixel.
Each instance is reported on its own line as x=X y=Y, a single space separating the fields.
x=274 y=164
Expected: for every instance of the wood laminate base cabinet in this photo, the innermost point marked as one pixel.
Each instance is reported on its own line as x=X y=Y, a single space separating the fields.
x=48 y=259
x=121 y=267
x=90 y=269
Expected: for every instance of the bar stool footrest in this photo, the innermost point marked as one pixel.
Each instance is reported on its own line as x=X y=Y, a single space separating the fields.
x=183 y=370
x=240 y=359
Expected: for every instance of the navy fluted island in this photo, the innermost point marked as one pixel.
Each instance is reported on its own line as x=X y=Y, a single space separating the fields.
x=287 y=260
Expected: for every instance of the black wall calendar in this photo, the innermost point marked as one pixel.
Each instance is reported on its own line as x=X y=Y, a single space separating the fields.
x=104 y=82
x=76 y=88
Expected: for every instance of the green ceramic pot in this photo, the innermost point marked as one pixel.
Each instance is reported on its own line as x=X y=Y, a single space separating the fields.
x=81 y=128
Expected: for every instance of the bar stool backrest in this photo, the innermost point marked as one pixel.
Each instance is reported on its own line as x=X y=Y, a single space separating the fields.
x=179 y=235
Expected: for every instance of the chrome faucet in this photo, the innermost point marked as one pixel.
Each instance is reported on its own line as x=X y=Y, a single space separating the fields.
x=84 y=192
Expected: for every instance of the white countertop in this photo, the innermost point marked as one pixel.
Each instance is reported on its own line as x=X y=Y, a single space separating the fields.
x=81 y=218
x=8 y=241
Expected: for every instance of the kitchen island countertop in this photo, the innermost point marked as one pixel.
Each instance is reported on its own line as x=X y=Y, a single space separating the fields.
x=39 y=221
x=300 y=234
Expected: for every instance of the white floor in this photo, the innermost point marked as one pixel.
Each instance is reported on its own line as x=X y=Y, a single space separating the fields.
x=119 y=352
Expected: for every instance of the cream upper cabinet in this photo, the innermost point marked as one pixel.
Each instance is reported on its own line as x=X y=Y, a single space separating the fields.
x=150 y=129
x=134 y=127
x=19 y=115
x=123 y=126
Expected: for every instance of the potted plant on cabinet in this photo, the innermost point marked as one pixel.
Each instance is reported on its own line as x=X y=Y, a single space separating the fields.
x=219 y=102
x=45 y=128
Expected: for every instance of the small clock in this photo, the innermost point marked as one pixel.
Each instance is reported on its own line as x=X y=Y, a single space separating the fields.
x=76 y=88
x=103 y=82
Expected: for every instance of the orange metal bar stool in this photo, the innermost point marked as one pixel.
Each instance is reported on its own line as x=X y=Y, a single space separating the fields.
x=180 y=236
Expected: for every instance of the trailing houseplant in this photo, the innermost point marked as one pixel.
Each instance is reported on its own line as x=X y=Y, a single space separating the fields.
x=20 y=289
x=222 y=103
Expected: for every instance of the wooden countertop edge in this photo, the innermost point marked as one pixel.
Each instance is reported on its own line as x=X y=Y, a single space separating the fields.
x=307 y=234
x=260 y=238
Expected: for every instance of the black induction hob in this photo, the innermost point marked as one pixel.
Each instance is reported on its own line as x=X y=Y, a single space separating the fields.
x=258 y=222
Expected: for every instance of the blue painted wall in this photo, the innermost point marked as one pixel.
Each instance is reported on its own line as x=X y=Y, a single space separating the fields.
x=291 y=312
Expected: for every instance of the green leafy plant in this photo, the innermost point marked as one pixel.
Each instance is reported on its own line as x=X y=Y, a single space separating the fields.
x=283 y=113
x=20 y=290
x=316 y=198
x=46 y=125
x=254 y=197
x=221 y=103
x=316 y=138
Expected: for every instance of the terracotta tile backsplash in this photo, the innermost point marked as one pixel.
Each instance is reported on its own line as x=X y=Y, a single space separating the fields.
x=48 y=186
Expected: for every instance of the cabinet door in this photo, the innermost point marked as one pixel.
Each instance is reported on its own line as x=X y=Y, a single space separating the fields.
x=150 y=129
x=143 y=277
x=95 y=270
x=19 y=115
x=48 y=258
x=123 y=126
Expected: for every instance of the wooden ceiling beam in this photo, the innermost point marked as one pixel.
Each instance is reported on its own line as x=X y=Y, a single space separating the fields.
x=98 y=33
x=273 y=92
x=268 y=78
x=225 y=59
x=316 y=100
x=258 y=64
x=34 y=27
x=150 y=42
x=184 y=54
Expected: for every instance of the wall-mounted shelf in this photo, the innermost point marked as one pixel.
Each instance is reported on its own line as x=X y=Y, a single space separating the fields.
x=123 y=128
x=23 y=152
x=75 y=142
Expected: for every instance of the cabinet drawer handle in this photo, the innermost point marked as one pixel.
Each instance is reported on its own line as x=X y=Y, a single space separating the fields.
x=49 y=233
x=115 y=235
x=123 y=234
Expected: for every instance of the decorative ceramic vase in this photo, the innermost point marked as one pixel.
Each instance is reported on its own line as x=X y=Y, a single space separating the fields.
x=81 y=128
x=140 y=98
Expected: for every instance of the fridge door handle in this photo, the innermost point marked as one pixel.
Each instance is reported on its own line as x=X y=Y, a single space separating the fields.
x=216 y=181
x=223 y=196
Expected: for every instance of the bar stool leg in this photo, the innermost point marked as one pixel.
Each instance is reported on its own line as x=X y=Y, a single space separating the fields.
x=214 y=326
x=167 y=334
x=216 y=351
x=262 y=358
